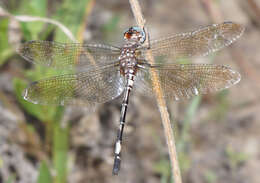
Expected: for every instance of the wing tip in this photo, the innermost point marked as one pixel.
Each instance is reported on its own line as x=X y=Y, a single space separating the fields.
x=24 y=50
x=27 y=93
x=26 y=96
x=234 y=75
x=234 y=28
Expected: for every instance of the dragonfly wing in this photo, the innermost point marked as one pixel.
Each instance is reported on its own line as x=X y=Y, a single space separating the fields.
x=196 y=43
x=93 y=86
x=68 y=55
x=181 y=81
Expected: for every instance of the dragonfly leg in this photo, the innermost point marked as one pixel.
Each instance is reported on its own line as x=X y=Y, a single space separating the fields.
x=143 y=64
x=149 y=43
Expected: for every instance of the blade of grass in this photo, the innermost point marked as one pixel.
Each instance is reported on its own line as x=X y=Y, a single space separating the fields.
x=44 y=174
x=190 y=113
x=60 y=152
x=5 y=49
x=11 y=179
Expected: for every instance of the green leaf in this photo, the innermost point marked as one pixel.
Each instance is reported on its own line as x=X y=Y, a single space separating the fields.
x=235 y=158
x=5 y=49
x=190 y=113
x=35 y=28
x=44 y=174
x=60 y=152
x=38 y=7
x=184 y=161
x=221 y=108
x=25 y=30
x=210 y=176
x=11 y=179
x=163 y=168
x=71 y=14
x=43 y=113
x=33 y=8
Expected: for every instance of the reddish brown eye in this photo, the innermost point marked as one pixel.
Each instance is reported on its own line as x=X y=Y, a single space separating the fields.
x=128 y=35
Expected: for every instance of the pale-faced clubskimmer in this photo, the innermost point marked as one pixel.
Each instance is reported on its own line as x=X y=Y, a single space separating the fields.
x=100 y=73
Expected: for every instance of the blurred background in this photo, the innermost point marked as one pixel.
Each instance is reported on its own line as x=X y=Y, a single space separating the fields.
x=217 y=135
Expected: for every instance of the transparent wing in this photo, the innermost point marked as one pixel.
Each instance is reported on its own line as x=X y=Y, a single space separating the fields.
x=181 y=81
x=197 y=43
x=68 y=55
x=93 y=86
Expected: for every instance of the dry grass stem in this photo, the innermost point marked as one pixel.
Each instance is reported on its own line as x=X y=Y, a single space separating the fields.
x=88 y=9
x=160 y=100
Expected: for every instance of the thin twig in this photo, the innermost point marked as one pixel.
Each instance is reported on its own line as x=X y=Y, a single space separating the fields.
x=26 y=18
x=160 y=100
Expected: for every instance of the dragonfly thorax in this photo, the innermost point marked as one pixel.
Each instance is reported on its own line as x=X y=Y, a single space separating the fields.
x=128 y=61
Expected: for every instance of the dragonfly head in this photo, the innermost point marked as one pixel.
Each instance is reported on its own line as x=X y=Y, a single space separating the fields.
x=135 y=34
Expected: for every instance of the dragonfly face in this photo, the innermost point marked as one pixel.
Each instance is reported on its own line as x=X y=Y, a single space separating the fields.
x=135 y=35
x=134 y=38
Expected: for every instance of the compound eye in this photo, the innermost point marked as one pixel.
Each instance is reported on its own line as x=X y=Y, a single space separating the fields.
x=140 y=33
x=128 y=35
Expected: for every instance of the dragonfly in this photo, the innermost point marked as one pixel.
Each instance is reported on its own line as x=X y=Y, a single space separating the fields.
x=100 y=73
